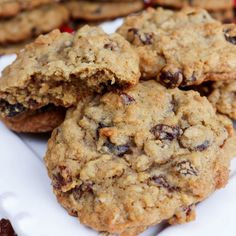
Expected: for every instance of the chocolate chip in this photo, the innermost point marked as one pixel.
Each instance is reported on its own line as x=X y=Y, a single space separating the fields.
x=126 y=98
x=78 y=191
x=145 y=38
x=11 y=110
x=186 y=168
x=118 y=150
x=203 y=146
x=162 y=182
x=61 y=177
x=165 y=132
x=230 y=35
x=6 y=228
x=171 y=80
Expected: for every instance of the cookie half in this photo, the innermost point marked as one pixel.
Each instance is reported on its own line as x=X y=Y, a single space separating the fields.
x=129 y=159
x=182 y=48
x=61 y=68
x=96 y=11
x=30 y=24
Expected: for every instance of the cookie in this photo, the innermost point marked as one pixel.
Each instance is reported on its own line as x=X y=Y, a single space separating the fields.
x=95 y=11
x=129 y=159
x=223 y=97
x=38 y=121
x=9 y=8
x=225 y=16
x=182 y=48
x=60 y=68
x=211 y=5
x=32 y=23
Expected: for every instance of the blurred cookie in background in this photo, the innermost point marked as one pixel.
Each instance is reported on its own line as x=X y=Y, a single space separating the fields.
x=18 y=30
x=102 y=10
x=220 y=9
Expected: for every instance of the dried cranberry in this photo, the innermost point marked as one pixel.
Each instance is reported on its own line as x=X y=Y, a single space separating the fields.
x=118 y=150
x=186 y=168
x=165 y=132
x=126 y=98
x=145 y=38
x=203 y=146
x=6 y=228
x=162 y=181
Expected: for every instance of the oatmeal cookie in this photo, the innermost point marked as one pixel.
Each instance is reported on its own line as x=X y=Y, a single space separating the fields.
x=60 y=68
x=211 y=5
x=9 y=8
x=182 y=48
x=32 y=23
x=131 y=158
x=95 y=11
x=223 y=97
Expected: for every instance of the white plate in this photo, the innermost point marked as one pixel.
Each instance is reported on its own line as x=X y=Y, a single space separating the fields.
x=26 y=196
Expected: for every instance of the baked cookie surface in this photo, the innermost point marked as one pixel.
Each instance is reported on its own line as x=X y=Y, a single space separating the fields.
x=9 y=8
x=91 y=10
x=223 y=97
x=60 y=68
x=129 y=159
x=211 y=5
x=182 y=48
x=32 y=23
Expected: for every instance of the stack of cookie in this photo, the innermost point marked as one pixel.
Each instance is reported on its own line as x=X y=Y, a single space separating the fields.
x=102 y=10
x=219 y=9
x=23 y=20
x=137 y=145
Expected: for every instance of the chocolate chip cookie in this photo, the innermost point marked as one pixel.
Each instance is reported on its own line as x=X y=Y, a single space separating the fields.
x=96 y=11
x=9 y=8
x=131 y=158
x=60 y=68
x=182 y=48
x=30 y=24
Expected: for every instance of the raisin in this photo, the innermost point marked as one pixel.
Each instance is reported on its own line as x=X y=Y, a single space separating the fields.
x=6 y=228
x=190 y=80
x=162 y=181
x=111 y=46
x=203 y=146
x=171 y=80
x=78 y=191
x=61 y=177
x=126 y=98
x=145 y=38
x=118 y=150
x=230 y=36
x=165 y=132
x=186 y=168
x=174 y=104
x=11 y=110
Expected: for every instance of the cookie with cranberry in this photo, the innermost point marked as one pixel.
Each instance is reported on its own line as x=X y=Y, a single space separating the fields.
x=182 y=48
x=128 y=159
x=96 y=11
x=61 y=68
